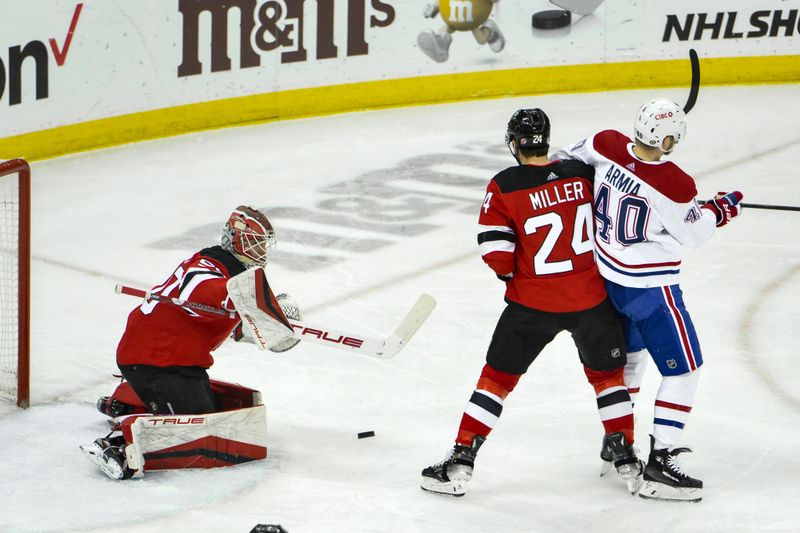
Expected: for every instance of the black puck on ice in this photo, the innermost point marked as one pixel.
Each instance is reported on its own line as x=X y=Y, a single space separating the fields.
x=551 y=19
x=365 y=434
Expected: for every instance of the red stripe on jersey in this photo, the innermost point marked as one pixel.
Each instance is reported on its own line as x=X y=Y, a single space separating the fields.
x=674 y=406
x=625 y=265
x=665 y=177
x=687 y=346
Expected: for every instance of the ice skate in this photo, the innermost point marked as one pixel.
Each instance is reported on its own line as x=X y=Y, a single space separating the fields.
x=110 y=458
x=623 y=456
x=664 y=479
x=435 y=45
x=451 y=475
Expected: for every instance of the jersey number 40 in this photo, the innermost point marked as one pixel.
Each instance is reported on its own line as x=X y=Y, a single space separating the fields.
x=632 y=213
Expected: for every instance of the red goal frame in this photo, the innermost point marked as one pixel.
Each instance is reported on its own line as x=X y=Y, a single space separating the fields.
x=21 y=167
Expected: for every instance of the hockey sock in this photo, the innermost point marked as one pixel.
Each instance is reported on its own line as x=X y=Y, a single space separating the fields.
x=673 y=405
x=485 y=404
x=634 y=372
x=613 y=401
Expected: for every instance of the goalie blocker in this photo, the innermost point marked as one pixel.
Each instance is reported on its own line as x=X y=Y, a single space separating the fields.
x=235 y=434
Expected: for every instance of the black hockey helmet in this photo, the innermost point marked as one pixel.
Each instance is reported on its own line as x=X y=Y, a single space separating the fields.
x=529 y=128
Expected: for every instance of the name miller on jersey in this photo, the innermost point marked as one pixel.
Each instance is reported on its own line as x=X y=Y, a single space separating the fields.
x=564 y=192
x=619 y=180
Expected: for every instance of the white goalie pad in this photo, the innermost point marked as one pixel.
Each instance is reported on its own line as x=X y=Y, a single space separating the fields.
x=261 y=313
x=197 y=441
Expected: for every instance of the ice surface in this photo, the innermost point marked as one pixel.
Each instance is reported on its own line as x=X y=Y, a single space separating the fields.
x=371 y=210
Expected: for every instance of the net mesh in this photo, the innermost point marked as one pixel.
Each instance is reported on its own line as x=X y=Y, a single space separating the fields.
x=9 y=285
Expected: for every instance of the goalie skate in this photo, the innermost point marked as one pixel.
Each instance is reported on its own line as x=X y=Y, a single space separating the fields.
x=451 y=475
x=109 y=458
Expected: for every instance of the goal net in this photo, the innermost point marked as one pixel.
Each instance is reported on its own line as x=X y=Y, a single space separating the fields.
x=14 y=281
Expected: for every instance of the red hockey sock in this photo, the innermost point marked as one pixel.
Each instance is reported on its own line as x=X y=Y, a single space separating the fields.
x=613 y=401
x=485 y=404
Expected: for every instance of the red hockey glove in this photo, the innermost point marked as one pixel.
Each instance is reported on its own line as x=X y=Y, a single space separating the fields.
x=725 y=206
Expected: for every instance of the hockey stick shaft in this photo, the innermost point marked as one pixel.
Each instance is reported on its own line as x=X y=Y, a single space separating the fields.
x=767 y=206
x=771 y=206
x=381 y=348
x=694 y=90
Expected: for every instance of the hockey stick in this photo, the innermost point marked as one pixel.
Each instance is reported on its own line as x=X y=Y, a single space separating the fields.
x=381 y=348
x=695 y=88
x=766 y=206
x=770 y=206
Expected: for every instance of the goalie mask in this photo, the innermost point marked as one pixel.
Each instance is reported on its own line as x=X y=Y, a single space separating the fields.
x=249 y=236
x=528 y=128
x=658 y=119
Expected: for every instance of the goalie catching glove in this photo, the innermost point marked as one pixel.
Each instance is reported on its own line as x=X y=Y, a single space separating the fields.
x=265 y=317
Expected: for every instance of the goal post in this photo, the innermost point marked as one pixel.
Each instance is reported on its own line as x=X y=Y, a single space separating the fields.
x=15 y=238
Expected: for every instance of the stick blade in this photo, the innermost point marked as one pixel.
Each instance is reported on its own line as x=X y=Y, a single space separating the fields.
x=413 y=320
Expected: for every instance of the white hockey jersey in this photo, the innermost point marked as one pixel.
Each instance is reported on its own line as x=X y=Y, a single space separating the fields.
x=645 y=212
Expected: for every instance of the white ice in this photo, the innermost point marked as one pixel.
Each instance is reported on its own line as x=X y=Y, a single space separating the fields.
x=132 y=213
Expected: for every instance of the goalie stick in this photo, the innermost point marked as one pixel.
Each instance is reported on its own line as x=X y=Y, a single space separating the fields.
x=373 y=347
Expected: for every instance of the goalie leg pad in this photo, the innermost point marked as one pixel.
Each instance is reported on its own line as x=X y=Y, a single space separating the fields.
x=197 y=441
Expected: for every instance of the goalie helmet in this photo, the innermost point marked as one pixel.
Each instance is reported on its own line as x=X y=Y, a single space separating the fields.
x=249 y=236
x=528 y=128
x=658 y=119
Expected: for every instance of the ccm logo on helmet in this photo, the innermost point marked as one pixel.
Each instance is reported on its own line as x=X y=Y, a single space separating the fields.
x=661 y=116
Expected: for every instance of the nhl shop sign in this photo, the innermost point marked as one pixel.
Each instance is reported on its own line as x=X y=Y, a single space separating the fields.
x=268 y=25
x=732 y=25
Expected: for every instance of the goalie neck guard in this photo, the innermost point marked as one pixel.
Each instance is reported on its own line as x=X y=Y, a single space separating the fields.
x=249 y=236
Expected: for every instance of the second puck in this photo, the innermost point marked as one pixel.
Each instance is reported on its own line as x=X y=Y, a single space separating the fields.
x=365 y=434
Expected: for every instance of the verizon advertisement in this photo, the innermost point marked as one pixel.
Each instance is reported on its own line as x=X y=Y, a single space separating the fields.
x=70 y=62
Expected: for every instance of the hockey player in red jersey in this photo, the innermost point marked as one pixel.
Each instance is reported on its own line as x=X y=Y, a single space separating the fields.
x=646 y=212
x=165 y=351
x=536 y=233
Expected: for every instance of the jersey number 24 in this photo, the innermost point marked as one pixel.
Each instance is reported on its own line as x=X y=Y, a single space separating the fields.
x=581 y=240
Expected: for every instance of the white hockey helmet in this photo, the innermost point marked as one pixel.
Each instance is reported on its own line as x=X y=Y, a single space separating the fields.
x=248 y=235
x=658 y=119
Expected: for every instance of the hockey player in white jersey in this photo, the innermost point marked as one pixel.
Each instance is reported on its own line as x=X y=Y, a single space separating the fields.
x=645 y=213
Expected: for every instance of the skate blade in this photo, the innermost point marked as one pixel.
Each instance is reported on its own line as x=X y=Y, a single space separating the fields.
x=651 y=490
x=605 y=468
x=452 y=488
x=95 y=454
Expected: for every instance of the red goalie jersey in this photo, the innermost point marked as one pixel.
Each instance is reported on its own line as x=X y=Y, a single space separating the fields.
x=537 y=223
x=162 y=335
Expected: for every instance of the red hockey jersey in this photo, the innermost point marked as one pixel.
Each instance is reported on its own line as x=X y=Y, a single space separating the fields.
x=161 y=334
x=537 y=222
